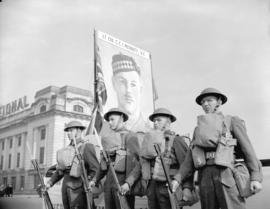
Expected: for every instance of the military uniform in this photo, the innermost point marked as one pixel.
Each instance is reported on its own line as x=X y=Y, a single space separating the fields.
x=125 y=144
x=217 y=184
x=174 y=150
x=73 y=194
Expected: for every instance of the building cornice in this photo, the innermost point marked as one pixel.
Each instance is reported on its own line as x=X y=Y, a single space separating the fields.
x=80 y=99
x=52 y=112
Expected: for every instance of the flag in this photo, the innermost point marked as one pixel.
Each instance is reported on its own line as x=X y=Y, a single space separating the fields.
x=100 y=94
x=155 y=93
x=100 y=89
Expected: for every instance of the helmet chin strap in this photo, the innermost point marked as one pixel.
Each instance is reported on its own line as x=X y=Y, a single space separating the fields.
x=120 y=123
x=166 y=126
x=219 y=102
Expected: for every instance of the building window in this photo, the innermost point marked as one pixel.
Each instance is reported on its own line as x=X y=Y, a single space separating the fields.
x=10 y=142
x=2 y=162
x=3 y=144
x=78 y=108
x=18 y=159
x=22 y=182
x=41 y=155
x=13 y=182
x=5 y=180
x=9 y=161
x=43 y=108
x=42 y=133
x=19 y=140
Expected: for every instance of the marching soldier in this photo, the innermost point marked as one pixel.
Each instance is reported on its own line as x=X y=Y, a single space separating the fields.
x=174 y=149
x=68 y=167
x=219 y=143
x=122 y=146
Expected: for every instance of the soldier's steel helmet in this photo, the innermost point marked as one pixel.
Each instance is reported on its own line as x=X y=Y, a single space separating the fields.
x=74 y=124
x=211 y=92
x=162 y=112
x=116 y=111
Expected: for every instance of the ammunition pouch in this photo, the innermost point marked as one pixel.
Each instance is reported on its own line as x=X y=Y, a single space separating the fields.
x=151 y=138
x=120 y=161
x=198 y=156
x=168 y=158
x=65 y=157
x=208 y=130
x=225 y=152
x=75 y=170
x=242 y=179
x=158 y=171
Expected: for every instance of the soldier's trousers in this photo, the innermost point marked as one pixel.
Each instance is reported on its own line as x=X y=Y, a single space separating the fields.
x=216 y=195
x=73 y=198
x=158 y=195
x=112 y=200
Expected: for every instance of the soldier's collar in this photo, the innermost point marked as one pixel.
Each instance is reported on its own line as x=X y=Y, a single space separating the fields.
x=78 y=141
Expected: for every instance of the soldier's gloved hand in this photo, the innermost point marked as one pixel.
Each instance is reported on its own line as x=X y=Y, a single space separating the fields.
x=175 y=185
x=255 y=186
x=91 y=185
x=47 y=187
x=187 y=195
x=124 y=188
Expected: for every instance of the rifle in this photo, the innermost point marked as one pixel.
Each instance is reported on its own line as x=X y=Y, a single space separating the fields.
x=122 y=199
x=173 y=200
x=84 y=177
x=44 y=192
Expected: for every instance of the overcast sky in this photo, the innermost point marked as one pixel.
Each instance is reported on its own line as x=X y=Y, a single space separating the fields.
x=194 y=45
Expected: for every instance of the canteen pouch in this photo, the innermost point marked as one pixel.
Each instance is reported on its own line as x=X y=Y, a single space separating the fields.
x=120 y=161
x=225 y=152
x=75 y=170
x=158 y=172
x=225 y=148
x=198 y=156
x=242 y=179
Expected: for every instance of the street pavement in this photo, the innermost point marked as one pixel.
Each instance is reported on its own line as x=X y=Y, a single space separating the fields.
x=260 y=201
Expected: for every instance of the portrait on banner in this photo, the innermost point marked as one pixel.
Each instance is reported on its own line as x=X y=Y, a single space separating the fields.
x=127 y=76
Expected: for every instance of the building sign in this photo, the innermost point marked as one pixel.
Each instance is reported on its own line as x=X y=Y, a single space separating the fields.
x=13 y=107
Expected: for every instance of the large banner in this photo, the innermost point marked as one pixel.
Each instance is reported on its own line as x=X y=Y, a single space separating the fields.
x=127 y=76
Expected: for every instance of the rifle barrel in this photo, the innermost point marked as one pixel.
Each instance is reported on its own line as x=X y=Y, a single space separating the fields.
x=45 y=194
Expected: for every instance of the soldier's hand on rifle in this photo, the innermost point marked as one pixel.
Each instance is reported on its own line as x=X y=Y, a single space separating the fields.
x=124 y=188
x=91 y=185
x=47 y=187
x=255 y=186
x=187 y=195
x=175 y=185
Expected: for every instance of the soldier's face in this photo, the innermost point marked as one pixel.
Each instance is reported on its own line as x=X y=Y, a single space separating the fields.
x=115 y=122
x=73 y=133
x=210 y=104
x=161 y=123
x=128 y=89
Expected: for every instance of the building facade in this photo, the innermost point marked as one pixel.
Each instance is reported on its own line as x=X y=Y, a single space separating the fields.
x=37 y=133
